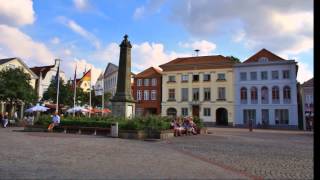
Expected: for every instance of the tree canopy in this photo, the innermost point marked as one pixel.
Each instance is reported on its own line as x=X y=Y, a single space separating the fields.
x=235 y=59
x=15 y=86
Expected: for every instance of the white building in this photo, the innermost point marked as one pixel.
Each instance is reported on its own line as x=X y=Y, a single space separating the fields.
x=46 y=75
x=266 y=91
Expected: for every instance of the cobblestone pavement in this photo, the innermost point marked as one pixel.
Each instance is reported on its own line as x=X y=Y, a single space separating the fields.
x=224 y=154
x=36 y=155
x=270 y=154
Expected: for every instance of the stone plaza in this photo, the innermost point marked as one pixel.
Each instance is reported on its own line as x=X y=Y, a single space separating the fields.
x=225 y=153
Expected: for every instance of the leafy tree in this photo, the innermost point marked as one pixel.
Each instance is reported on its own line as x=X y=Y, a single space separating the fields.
x=235 y=59
x=65 y=93
x=15 y=86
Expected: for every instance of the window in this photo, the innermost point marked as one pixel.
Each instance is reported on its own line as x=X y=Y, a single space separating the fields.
x=282 y=116
x=139 y=82
x=195 y=78
x=207 y=94
x=286 y=95
x=184 y=94
x=139 y=95
x=206 y=112
x=146 y=95
x=275 y=95
x=154 y=82
x=221 y=93
x=153 y=95
x=172 y=79
x=172 y=96
x=253 y=76
x=243 y=95
x=195 y=94
x=264 y=95
x=264 y=75
x=221 y=76
x=146 y=82
x=184 y=111
x=286 y=74
x=243 y=76
x=206 y=77
x=254 y=95
x=249 y=114
x=184 y=78
x=263 y=59
x=275 y=74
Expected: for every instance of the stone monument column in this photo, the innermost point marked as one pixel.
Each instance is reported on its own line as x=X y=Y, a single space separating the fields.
x=123 y=103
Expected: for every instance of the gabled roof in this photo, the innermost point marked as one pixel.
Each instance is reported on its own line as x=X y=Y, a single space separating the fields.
x=308 y=83
x=263 y=53
x=3 y=61
x=149 y=72
x=198 y=62
x=110 y=68
x=43 y=69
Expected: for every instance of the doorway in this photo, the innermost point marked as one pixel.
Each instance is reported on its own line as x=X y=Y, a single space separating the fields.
x=195 y=111
x=222 y=117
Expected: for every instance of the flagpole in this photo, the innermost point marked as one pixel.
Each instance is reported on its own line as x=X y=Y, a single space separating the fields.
x=102 y=94
x=58 y=85
x=90 y=94
x=75 y=90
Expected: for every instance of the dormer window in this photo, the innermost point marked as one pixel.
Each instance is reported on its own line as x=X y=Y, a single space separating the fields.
x=263 y=59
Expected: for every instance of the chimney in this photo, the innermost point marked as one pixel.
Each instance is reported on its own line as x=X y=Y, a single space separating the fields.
x=197 y=52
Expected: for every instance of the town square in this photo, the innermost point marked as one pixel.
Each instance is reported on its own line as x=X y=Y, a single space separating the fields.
x=101 y=90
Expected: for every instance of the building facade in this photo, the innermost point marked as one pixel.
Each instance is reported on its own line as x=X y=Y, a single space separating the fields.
x=46 y=75
x=307 y=104
x=147 y=91
x=199 y=86
x=110 y=79
x=266 y=91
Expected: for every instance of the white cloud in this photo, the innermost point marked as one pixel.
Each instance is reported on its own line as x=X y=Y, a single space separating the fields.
x=17 y=44
x=55 y=40
x=81 y=4
x=149 y=8
x=109 y=53
x=67 y=52
x=304 y=72
x=16 y=12
x=75 y=27
x=277 y=25
x=205 y=47
x=82 y=65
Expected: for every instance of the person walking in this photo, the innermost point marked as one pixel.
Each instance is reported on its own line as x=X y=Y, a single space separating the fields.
x=5 y=119
x=55 y=122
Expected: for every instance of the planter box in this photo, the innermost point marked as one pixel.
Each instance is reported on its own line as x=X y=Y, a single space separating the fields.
x=165 y=134
x=132 y=134
x=35 y=128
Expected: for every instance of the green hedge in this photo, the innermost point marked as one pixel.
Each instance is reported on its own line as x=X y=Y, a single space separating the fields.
x=147 y=123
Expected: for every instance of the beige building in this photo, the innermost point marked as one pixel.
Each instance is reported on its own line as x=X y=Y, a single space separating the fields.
x=199 y=86
x=18 y=63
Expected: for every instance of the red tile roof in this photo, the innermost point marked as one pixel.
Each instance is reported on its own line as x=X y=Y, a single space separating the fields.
x=149 y=72
x=263 y=53
x=198 y=62
x=43 y=69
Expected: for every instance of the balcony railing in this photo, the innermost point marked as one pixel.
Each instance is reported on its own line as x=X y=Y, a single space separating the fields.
x=244 y=101
x=286 y=101
x=275 y=101
x=254 y=101
x=264 y=101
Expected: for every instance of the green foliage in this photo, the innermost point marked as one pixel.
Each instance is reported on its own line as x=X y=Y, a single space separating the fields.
x=235 y=59
x=198 y=121
x=65 y=93
x=154 y=123
x=15 y=86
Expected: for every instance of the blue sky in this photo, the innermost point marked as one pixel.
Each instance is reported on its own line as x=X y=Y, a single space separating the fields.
x=87 y=32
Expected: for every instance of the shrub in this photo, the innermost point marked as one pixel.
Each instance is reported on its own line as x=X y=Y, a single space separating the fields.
x=198 y=121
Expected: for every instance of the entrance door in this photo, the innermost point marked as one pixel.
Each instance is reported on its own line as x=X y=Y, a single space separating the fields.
x=222 y=117
x=249 y=114
x=195 y=111
x=265 y=116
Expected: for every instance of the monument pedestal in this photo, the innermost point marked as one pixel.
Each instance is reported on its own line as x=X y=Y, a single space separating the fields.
x=123 y=109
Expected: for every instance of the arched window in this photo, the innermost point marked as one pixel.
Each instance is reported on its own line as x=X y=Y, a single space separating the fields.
x=275 y=95
x=264 y=95
x=243 y=95
x=254 y=95
x=286 y=94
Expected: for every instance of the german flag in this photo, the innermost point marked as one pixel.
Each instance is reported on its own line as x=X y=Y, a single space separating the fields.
x=86 y=76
